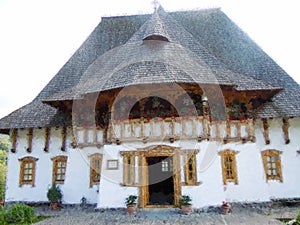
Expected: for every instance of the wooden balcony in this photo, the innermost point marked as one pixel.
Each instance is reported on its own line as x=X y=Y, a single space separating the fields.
x=168 y=129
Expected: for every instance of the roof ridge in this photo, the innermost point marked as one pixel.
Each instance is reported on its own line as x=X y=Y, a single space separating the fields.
x=212 y=9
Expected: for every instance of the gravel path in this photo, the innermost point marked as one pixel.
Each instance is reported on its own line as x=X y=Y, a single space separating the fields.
x=240 y=215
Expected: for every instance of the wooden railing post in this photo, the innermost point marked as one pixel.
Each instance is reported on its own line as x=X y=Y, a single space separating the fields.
x=142 y=128
x=251 y=130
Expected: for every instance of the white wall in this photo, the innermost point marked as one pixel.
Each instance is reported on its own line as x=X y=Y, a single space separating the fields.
x=252 y=184
x=77 y=174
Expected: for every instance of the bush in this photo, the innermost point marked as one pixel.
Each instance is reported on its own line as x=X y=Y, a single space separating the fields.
x=131 y=200
x=298 y=219
x=54 y=194
x=3 y=156
x=20 y=213
x=185 y=200
x=3 y=212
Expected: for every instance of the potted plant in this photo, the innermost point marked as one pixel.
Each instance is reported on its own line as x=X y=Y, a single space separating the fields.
x=131 y=204
x=185 y=205
x=226 y=208
x=54 y=196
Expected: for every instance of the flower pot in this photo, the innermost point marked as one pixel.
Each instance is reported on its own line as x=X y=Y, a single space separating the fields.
x=54 y=205
x=186 y=209
x=226 y=210
x=131 y=209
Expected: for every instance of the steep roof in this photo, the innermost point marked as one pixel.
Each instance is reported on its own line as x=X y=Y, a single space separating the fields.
x=215 y=51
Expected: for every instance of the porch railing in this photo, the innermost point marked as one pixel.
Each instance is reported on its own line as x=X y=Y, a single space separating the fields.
x=172 y=129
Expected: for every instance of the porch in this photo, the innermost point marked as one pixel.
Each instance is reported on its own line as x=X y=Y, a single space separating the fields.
x=172 y=129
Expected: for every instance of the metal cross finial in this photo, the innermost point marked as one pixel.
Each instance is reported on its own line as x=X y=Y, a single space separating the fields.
x=156 y=4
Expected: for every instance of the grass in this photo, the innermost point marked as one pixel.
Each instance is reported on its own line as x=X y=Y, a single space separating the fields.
x=5 y=217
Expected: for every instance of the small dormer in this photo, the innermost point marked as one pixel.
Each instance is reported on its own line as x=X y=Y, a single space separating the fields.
x=156 y=37
x=157 y=28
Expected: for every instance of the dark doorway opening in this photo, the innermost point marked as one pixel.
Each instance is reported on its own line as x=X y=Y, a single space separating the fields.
x=161 y=180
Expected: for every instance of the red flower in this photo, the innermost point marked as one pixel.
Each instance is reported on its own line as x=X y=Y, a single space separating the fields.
x=224 y=203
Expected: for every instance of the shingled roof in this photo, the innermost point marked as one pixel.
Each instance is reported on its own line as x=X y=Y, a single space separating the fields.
x=212 y=50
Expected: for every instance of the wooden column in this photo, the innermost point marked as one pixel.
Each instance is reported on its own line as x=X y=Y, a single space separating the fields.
x=238 y=127
x=143 y=183
x=228 y=129
x=251 y=130
x=63 y=138
x=142 y=128
x=177 y=178
x=285 y=129
x=173 y=132
x=266 y=131
x=74 y=137
x=47 y=139
x=14 y=135
x=29 y=140
x=111 y=134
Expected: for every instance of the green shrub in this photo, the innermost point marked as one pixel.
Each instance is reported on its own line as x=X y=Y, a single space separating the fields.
x=3 y=156
x=131 y=200
x=20 y=214
x=3 y=212
x=54 y=194
x=298 y=219
x=185 y=200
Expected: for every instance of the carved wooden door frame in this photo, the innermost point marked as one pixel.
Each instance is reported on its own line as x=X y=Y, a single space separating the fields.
x=158 y=151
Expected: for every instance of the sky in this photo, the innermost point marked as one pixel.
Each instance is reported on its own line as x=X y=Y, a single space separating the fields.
x=37 y=37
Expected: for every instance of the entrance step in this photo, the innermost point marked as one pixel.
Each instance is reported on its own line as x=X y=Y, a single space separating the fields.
x=158 y=213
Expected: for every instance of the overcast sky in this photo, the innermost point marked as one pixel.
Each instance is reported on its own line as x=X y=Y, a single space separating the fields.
x=38 y=36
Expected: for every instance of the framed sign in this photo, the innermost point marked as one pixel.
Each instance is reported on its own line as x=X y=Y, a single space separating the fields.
x=112 y=164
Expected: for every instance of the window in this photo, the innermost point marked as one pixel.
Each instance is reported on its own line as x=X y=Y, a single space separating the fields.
x=112 y=164
x=128 y=168
x=95 y=168
x=190 y=168
x=164 y=166
x=27 y=170
x=229 y=170
x=272 y=164
x=59 y=169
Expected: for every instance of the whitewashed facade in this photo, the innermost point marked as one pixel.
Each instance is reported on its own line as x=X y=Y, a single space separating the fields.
x=252 y=183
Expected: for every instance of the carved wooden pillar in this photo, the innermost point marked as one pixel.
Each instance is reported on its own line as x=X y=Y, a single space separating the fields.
x=47 y=139
x=285 y=129
x=266 y=131
x=143 y=182
x=238 y=127
x=251 y=130
x=177 y=177
x=29 y=140
x=173 y=127
x=142 y=127
x=63 y=138
x=74 y=137
x=14 y=135
x=218 y=135
x=142 y=103
x=228 y=129
x=94 y=135
x=110 y=132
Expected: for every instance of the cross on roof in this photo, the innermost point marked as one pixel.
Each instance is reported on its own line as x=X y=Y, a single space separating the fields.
x=156 y=4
